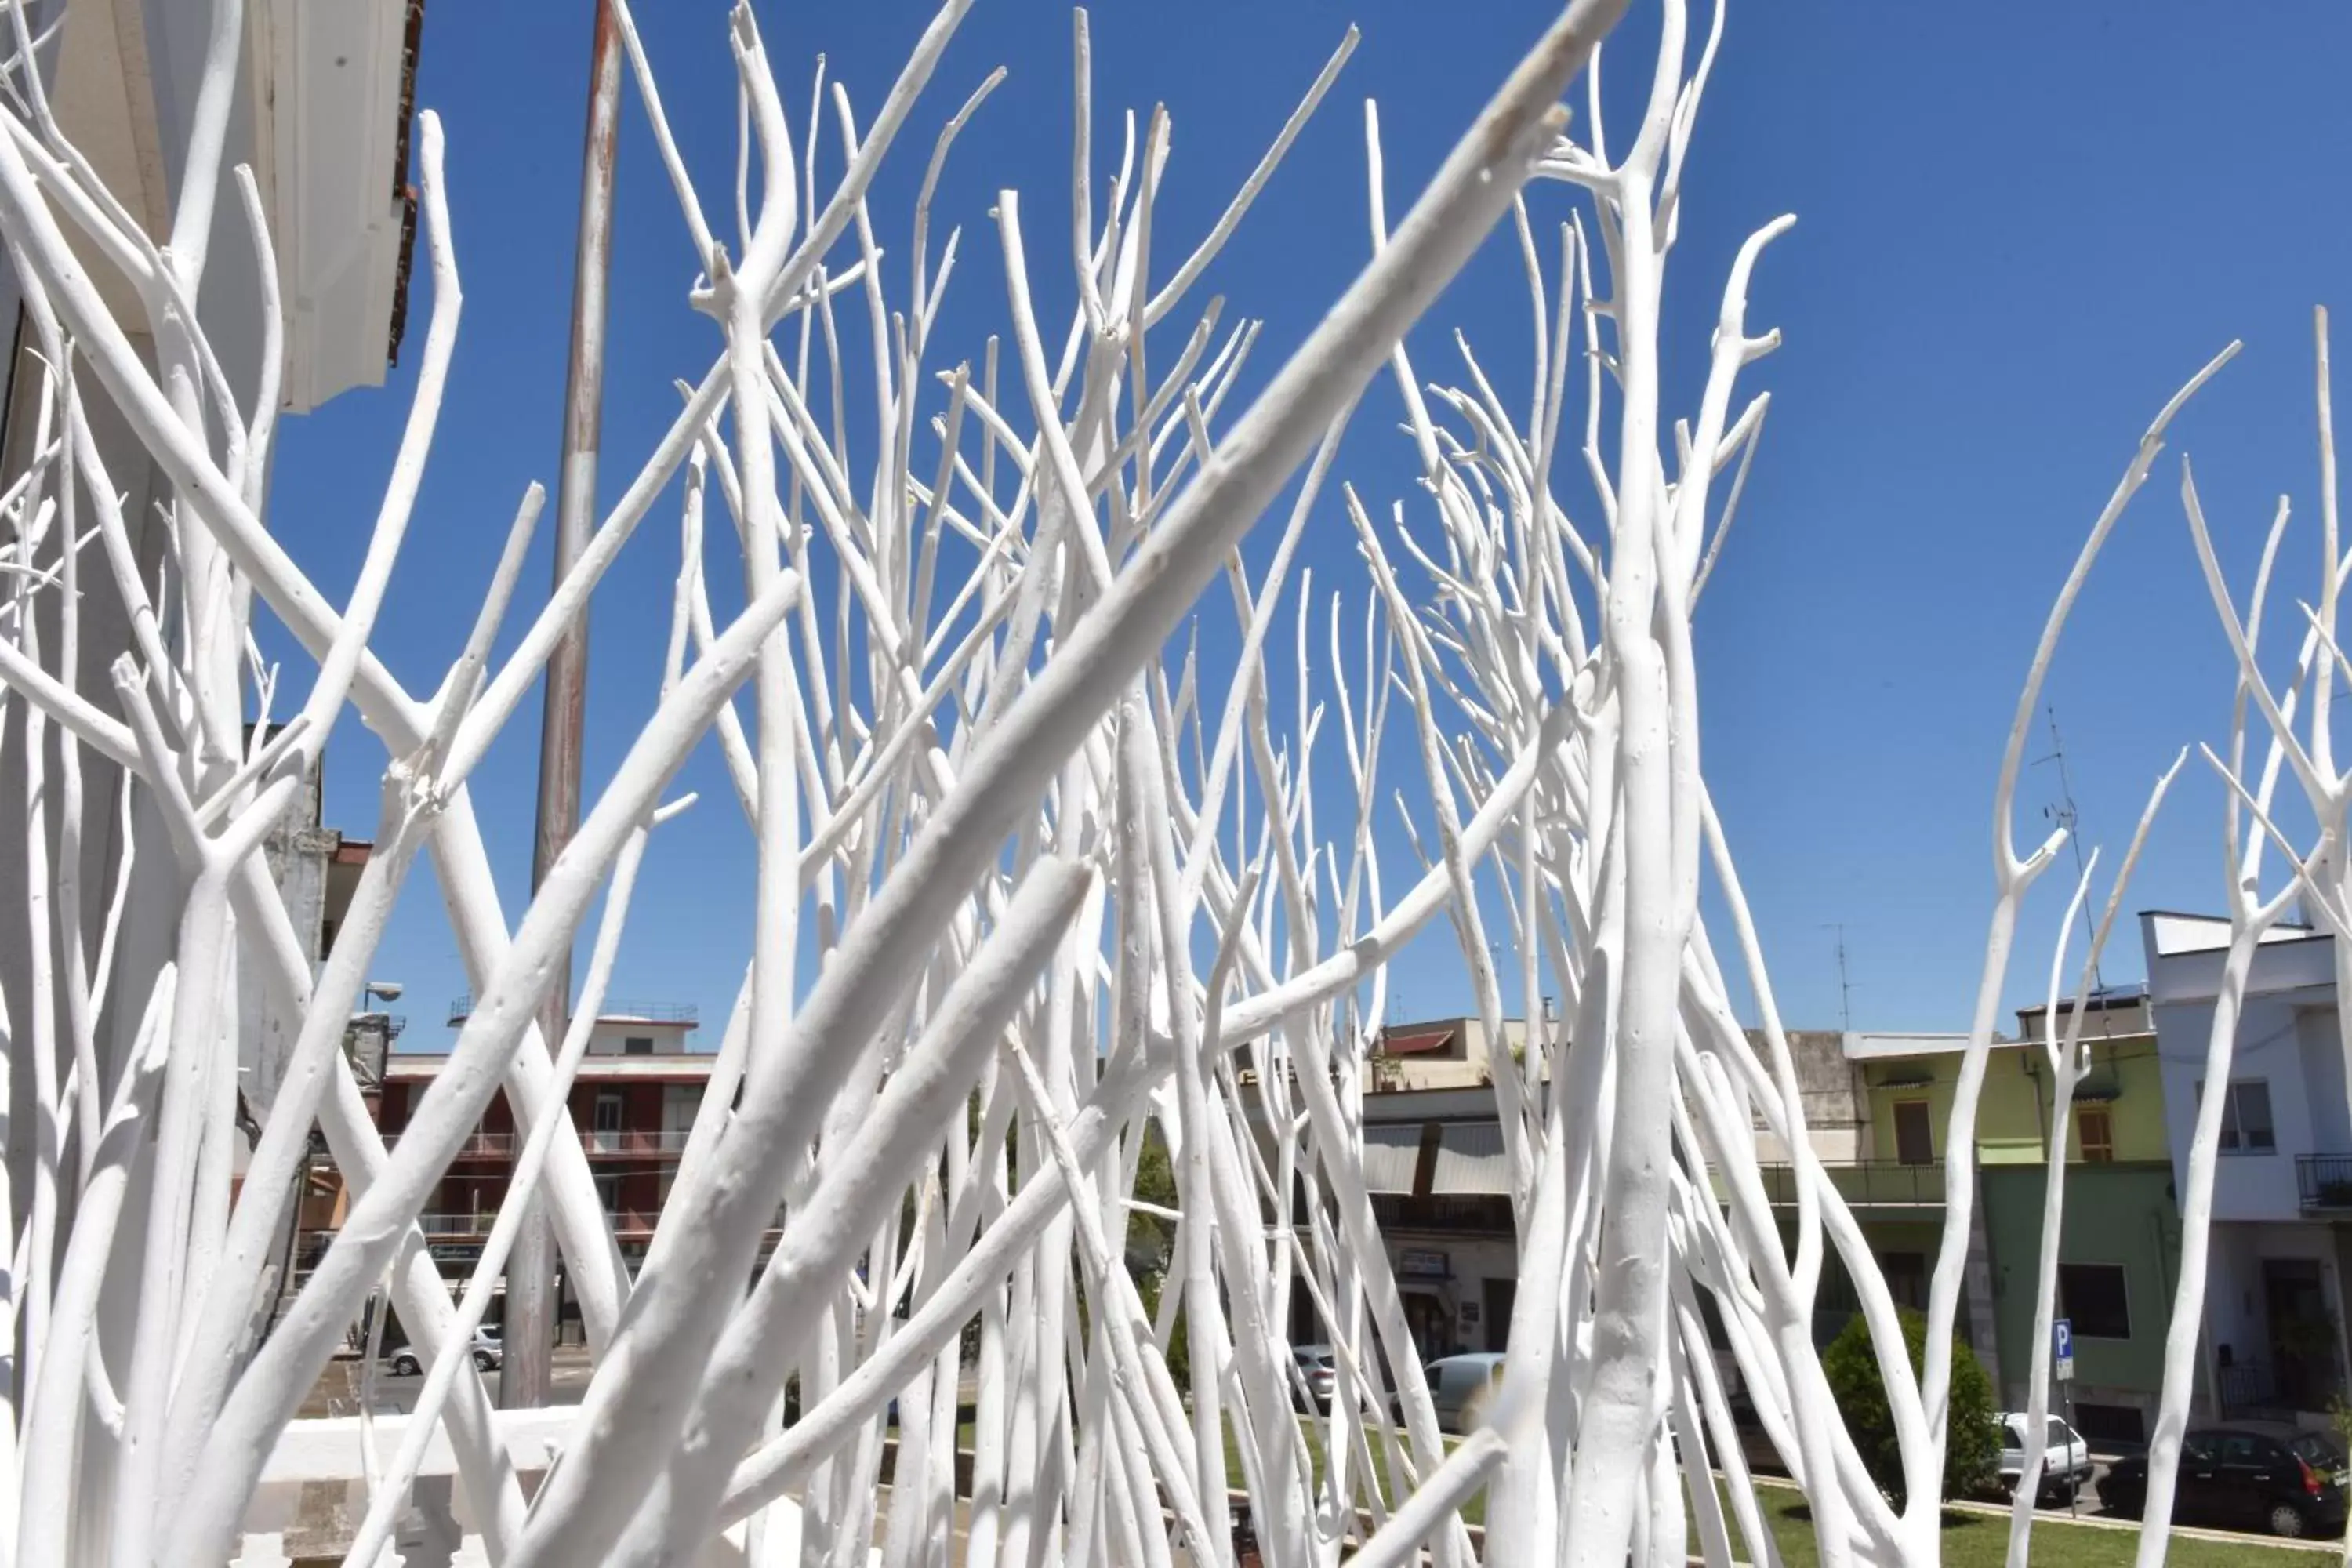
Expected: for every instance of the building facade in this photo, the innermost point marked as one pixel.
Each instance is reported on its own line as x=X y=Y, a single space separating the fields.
x=2120 y=1239
x=634 y=1102
x=320 y=114
x=1440 y=1191
x=2279 y=1262
x=1438 y=1053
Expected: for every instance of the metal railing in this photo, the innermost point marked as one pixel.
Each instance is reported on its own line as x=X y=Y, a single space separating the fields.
x=2324 y=1181
x=635 y=1139
x=628 y=1224
x=616 y=1009
x=1867 y=1184
x=476 y=1146
x=454 y=1224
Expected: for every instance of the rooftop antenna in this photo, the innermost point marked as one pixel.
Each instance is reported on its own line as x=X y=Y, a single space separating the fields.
x=2065 y=815
x=1845 y=980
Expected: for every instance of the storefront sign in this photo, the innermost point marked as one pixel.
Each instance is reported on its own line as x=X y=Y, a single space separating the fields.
x=1412 y=1265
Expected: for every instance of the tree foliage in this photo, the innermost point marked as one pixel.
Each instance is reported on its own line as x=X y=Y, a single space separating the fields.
x=1972 y=1446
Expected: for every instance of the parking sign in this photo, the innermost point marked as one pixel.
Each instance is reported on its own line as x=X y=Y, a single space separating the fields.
x=2062 y=1346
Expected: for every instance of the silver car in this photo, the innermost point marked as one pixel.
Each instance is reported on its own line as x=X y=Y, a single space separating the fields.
x=489 y=1353
x=1319 y=1370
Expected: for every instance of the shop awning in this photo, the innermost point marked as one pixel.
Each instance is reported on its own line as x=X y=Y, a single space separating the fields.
x=1391 y=1155
x=1470 y=1159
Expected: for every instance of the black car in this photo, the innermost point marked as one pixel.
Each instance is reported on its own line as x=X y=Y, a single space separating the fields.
x=2249 y=1475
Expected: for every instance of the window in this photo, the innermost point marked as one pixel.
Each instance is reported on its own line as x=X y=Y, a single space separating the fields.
x=2092 y=1295
x=637 y=1045
x=606 y=1133
x=2246 y=1449
x=2315 y=1450
x=2095 y=1133
x=608 y=1192
x=1905 y=1274
x=1915 y=1139
x=2246 y=1126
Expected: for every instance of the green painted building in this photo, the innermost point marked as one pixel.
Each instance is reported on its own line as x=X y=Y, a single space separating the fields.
x=2120 y=1242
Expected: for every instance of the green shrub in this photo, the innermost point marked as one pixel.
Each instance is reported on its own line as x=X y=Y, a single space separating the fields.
x=1972 y=1446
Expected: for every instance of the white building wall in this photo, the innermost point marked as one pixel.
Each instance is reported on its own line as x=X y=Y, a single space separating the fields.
x=2248 y=1185
x=611 y=1037
x=2320 y=1044
x=2288 y=1039
x=1473 y=1260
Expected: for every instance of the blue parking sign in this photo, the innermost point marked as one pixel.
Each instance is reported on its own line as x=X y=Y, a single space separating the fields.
x=2061 y=1338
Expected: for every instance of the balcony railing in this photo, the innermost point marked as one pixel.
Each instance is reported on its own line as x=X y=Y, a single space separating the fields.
x=635 y=1141
x=634 y=1224
x=620 y=1142
x=454 y=1224
x=2324 y=1181
x=615 y=1007
x=476 y=1146
x=1868 y=1184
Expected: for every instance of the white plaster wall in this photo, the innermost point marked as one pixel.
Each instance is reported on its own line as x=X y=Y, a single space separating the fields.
x=2247 y=1186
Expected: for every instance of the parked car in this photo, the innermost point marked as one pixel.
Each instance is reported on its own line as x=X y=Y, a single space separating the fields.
x=1462 y=1385
x=1320 y=1371
x=2065 y=1457
x=490 y=1354
x=2259 y=1474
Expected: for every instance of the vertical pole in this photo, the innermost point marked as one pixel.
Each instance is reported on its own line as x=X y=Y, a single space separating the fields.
x=2074 y=1487
x=531 y=1291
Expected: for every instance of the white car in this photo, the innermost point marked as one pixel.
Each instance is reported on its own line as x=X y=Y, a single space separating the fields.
x=2065 y=1457
x=1462 y=1387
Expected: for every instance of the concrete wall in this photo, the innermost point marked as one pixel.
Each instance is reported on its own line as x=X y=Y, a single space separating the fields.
x=1829 y=1088
x=610 y=1038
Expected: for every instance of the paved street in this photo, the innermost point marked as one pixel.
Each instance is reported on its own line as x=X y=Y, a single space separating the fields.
x=338 y=1390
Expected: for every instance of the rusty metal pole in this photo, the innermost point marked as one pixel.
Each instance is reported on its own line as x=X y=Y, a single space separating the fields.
x=534 y=1302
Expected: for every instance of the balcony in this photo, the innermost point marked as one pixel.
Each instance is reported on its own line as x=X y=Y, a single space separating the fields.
x=476 y=1146
x=449 y=1225
x=622 y=1141
x=2324 y=1183
x=617 y=1009
x=1870 y=1185
x=628 y=1224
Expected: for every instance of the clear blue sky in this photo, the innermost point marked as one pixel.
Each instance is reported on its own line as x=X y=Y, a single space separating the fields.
x=2021 y=226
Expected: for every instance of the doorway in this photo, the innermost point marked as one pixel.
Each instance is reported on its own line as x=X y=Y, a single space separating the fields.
x=2303 y=1333
x=1430 y=1323
x=1915 y=1136
x=1502 y=1294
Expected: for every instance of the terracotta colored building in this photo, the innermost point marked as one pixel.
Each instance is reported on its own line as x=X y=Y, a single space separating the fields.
x=634 y=1102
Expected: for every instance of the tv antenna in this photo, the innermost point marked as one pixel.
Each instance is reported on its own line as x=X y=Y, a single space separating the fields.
x=2065 y=815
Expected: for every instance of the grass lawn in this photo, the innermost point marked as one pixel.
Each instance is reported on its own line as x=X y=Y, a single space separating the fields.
x=1971 y=1540
x=1473 y=1512
x=1974 y=1540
